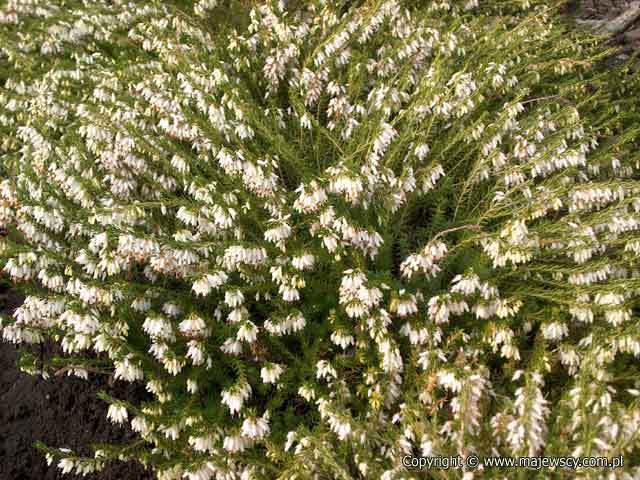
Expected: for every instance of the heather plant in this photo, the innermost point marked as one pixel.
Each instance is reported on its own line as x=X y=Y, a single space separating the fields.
x=326 y=235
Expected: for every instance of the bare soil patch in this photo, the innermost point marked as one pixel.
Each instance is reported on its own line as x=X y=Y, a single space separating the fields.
x=60 y=412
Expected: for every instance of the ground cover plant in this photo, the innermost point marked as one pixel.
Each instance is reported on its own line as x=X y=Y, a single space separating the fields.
x=326 y=235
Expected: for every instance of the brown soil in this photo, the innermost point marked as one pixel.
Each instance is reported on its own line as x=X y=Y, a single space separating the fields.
x=597 y=9
x=607 y=10
x=60 y=412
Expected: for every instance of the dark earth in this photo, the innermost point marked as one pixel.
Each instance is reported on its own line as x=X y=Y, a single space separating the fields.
x=65 y=412
x=60 y=412
x=590 y=12
x=599 y=8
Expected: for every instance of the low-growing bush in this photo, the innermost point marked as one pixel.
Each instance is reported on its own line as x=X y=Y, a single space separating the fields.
x=326 y=235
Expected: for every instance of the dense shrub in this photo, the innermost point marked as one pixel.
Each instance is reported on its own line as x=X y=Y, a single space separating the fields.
x=328 y=235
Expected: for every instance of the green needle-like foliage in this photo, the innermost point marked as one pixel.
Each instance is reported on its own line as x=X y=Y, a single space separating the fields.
x=327 y=236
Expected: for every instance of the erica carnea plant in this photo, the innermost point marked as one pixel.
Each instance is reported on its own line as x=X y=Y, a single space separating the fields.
x=326 y=235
